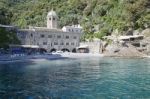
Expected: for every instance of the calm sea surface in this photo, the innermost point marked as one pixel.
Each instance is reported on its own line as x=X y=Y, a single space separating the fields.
x=89 y=78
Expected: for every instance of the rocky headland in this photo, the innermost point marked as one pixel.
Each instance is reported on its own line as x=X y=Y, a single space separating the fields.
x=130 y=46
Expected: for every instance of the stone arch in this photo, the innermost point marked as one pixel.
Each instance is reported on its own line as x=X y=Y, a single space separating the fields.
x=65 y=50
x=43 y=50
x=74 y=50
x=53 y=50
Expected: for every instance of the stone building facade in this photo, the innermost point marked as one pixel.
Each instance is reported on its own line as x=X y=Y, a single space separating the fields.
x=51 y=38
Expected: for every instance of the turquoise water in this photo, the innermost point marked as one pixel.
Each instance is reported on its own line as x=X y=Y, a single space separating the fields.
x=89 y=78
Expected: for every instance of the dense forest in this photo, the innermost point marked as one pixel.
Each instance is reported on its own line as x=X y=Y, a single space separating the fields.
x=7 y=37
x=98 y=17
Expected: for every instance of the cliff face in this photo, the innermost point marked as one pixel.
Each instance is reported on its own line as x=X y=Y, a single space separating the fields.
x=146 y=40
x=133 y=47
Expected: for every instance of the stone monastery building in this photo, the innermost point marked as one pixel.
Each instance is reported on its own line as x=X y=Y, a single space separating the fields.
x=51 y=38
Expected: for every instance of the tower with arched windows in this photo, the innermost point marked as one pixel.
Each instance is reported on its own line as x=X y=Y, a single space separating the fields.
x=52 y=20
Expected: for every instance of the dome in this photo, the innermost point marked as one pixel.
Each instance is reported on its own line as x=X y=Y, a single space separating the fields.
x=52 y=13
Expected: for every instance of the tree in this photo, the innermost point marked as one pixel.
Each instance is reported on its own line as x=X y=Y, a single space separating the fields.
x=112 y=14
x=7 y=37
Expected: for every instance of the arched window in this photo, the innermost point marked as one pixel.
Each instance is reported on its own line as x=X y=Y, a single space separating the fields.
x=65 y=50
x=53 y=50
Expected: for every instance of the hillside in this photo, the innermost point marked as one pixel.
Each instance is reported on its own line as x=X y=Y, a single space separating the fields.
x=100 y=16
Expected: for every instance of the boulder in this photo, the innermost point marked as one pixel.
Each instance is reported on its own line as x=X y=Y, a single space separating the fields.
x=146 y=32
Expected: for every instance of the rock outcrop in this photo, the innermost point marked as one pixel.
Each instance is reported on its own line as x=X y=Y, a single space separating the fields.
x=128 y=50
x=134 y=48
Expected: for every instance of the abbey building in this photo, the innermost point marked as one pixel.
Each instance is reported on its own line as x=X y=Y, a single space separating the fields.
x=51 y=38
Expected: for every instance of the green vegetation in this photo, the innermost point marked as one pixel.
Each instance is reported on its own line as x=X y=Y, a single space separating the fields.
x=98 y=17
x=7 y=37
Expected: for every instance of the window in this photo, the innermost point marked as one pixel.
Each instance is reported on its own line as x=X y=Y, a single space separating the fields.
x=61 y=43
x=42 y=35
x=55 y=43
x=67 y=43
x=72 y=43
x=44 y=43
x=49 y=36
x=74 y=37
x=67 y=37
x=54 y=35
x=31 y=35
x=58 y=36
x=49 y=18
x=53 y=18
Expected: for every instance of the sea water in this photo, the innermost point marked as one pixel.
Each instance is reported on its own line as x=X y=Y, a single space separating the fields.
x=82 y=78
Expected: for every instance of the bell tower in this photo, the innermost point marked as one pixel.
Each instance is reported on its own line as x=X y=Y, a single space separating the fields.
x=52 y=20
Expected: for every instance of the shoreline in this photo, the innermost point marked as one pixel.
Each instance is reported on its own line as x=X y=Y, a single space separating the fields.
x=56 y=56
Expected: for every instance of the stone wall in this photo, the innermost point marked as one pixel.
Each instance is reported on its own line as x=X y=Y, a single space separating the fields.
x=49 y=40
x=94 y=46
